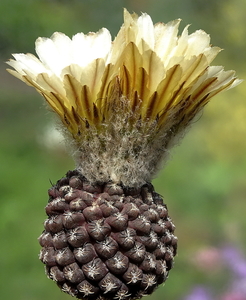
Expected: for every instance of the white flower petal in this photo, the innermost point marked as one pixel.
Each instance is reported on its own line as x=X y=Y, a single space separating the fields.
x=166 y=38
x=25 y=62
x=87 y=48
x=63 y=47
x=145 y=31
x=197 y=43
x=181 y=46
x=118 y=45
x=49 y=55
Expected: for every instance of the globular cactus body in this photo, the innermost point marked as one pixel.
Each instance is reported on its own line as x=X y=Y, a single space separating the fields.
x=105 y=240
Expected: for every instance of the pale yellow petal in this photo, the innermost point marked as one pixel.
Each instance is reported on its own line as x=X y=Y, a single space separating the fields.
x=28 y=62
x=166 y=38
x=165 y=91
x=108 y=77
x=132 y=60
x=50 y=83
x=145 y=32
x=154 y=68
x=79 y=98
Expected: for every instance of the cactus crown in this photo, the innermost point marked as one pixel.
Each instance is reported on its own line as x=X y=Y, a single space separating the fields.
x=124 y=103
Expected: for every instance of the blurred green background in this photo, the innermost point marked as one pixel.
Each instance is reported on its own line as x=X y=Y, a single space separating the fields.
x=204 y=184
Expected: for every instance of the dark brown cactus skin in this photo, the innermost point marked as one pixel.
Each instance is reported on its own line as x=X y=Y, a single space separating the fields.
x=106 y=241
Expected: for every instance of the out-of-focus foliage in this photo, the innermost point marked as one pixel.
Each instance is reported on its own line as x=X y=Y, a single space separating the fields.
x=204 y=184
x=22 y=21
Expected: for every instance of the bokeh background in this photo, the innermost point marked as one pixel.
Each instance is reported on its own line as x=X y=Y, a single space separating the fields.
x=204 y=184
